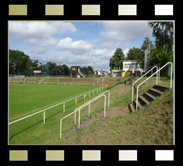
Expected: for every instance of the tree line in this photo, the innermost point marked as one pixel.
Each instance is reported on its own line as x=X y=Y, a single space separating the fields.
x=160 y=53
x=21 y=64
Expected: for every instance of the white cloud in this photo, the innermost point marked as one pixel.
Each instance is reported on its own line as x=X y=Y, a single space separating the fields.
x=110 y=44
x=39 y=28
x=102 y=53
x=55 y=58
x=48 y=42
x=80 y=60
x=75 y=47
x=125 y=30
x=31 y=41
x=39 y=50
x=126 y=45
x=33 y=32
x=103 y=65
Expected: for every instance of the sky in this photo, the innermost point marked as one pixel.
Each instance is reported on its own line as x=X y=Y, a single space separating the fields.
x=77 y=43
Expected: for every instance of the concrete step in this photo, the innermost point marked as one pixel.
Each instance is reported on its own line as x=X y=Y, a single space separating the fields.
x=155 y=92
x=139 y=104
x=131 y=107
x=161 y=88
x=148 y=96
x=143 y=100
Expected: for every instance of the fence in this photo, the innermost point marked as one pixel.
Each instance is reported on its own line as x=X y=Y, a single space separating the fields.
x=64 y=102
x=84 y=105
x=51 y=83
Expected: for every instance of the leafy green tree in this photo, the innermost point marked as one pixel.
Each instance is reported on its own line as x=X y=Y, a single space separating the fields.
x=18 y=62
x=66 y=70
x=163 y=53
x=147 y=42
x=163 y=32
x=54 y=69
x=59 y=70
x=84 y=70
x=136 y=54
x=161 y=57
x=87 y=70
x=35 y=64
x=117 y=59
x=90 y=70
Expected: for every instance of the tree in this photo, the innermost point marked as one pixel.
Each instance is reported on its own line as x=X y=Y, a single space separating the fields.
x=35 y=64
x=54 y=69
x=136 y=54
x=147 y=42
x=117 y=59
x=18 y=62
x=163 y=53
x=163 y=32
x=87 y=70
x=84 y=70
x=66 y=70
x=161 y=58
x=90 y=70
x=60 y=70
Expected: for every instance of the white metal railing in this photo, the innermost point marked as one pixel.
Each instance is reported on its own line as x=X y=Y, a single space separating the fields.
x=88 y=103
x=143 y=76
x=51 y=83
x=152 y=76
x=73 y=98
x=84 y=105
x=109 y=94
x=103 y=81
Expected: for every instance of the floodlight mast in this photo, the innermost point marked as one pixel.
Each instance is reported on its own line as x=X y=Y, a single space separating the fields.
x=146 y=58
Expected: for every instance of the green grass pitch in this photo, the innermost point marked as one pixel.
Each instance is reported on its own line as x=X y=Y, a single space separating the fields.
x=25 y=99
x=28 y=98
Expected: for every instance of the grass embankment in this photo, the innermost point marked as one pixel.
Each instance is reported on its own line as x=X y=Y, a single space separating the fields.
x=152 y=124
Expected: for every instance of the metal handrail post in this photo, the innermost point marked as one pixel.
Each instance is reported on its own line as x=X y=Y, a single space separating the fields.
x=89 y=109
x=61 y=122
x=104 y=106
x=76 y=101
x=108 y=97
x=79 y=118
x=64 y=107
x=171 y=76
x=60 y=128
x=44 y=117
x=142 y=77
x=75 y=117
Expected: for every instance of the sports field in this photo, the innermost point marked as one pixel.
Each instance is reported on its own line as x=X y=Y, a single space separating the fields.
x=25 y=99
x=29 y=98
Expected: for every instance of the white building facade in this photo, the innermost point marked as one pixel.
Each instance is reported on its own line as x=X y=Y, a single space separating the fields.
x=131 y=65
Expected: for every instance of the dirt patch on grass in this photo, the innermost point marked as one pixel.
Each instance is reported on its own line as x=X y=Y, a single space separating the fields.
x=111 y=112
x=118 y=111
